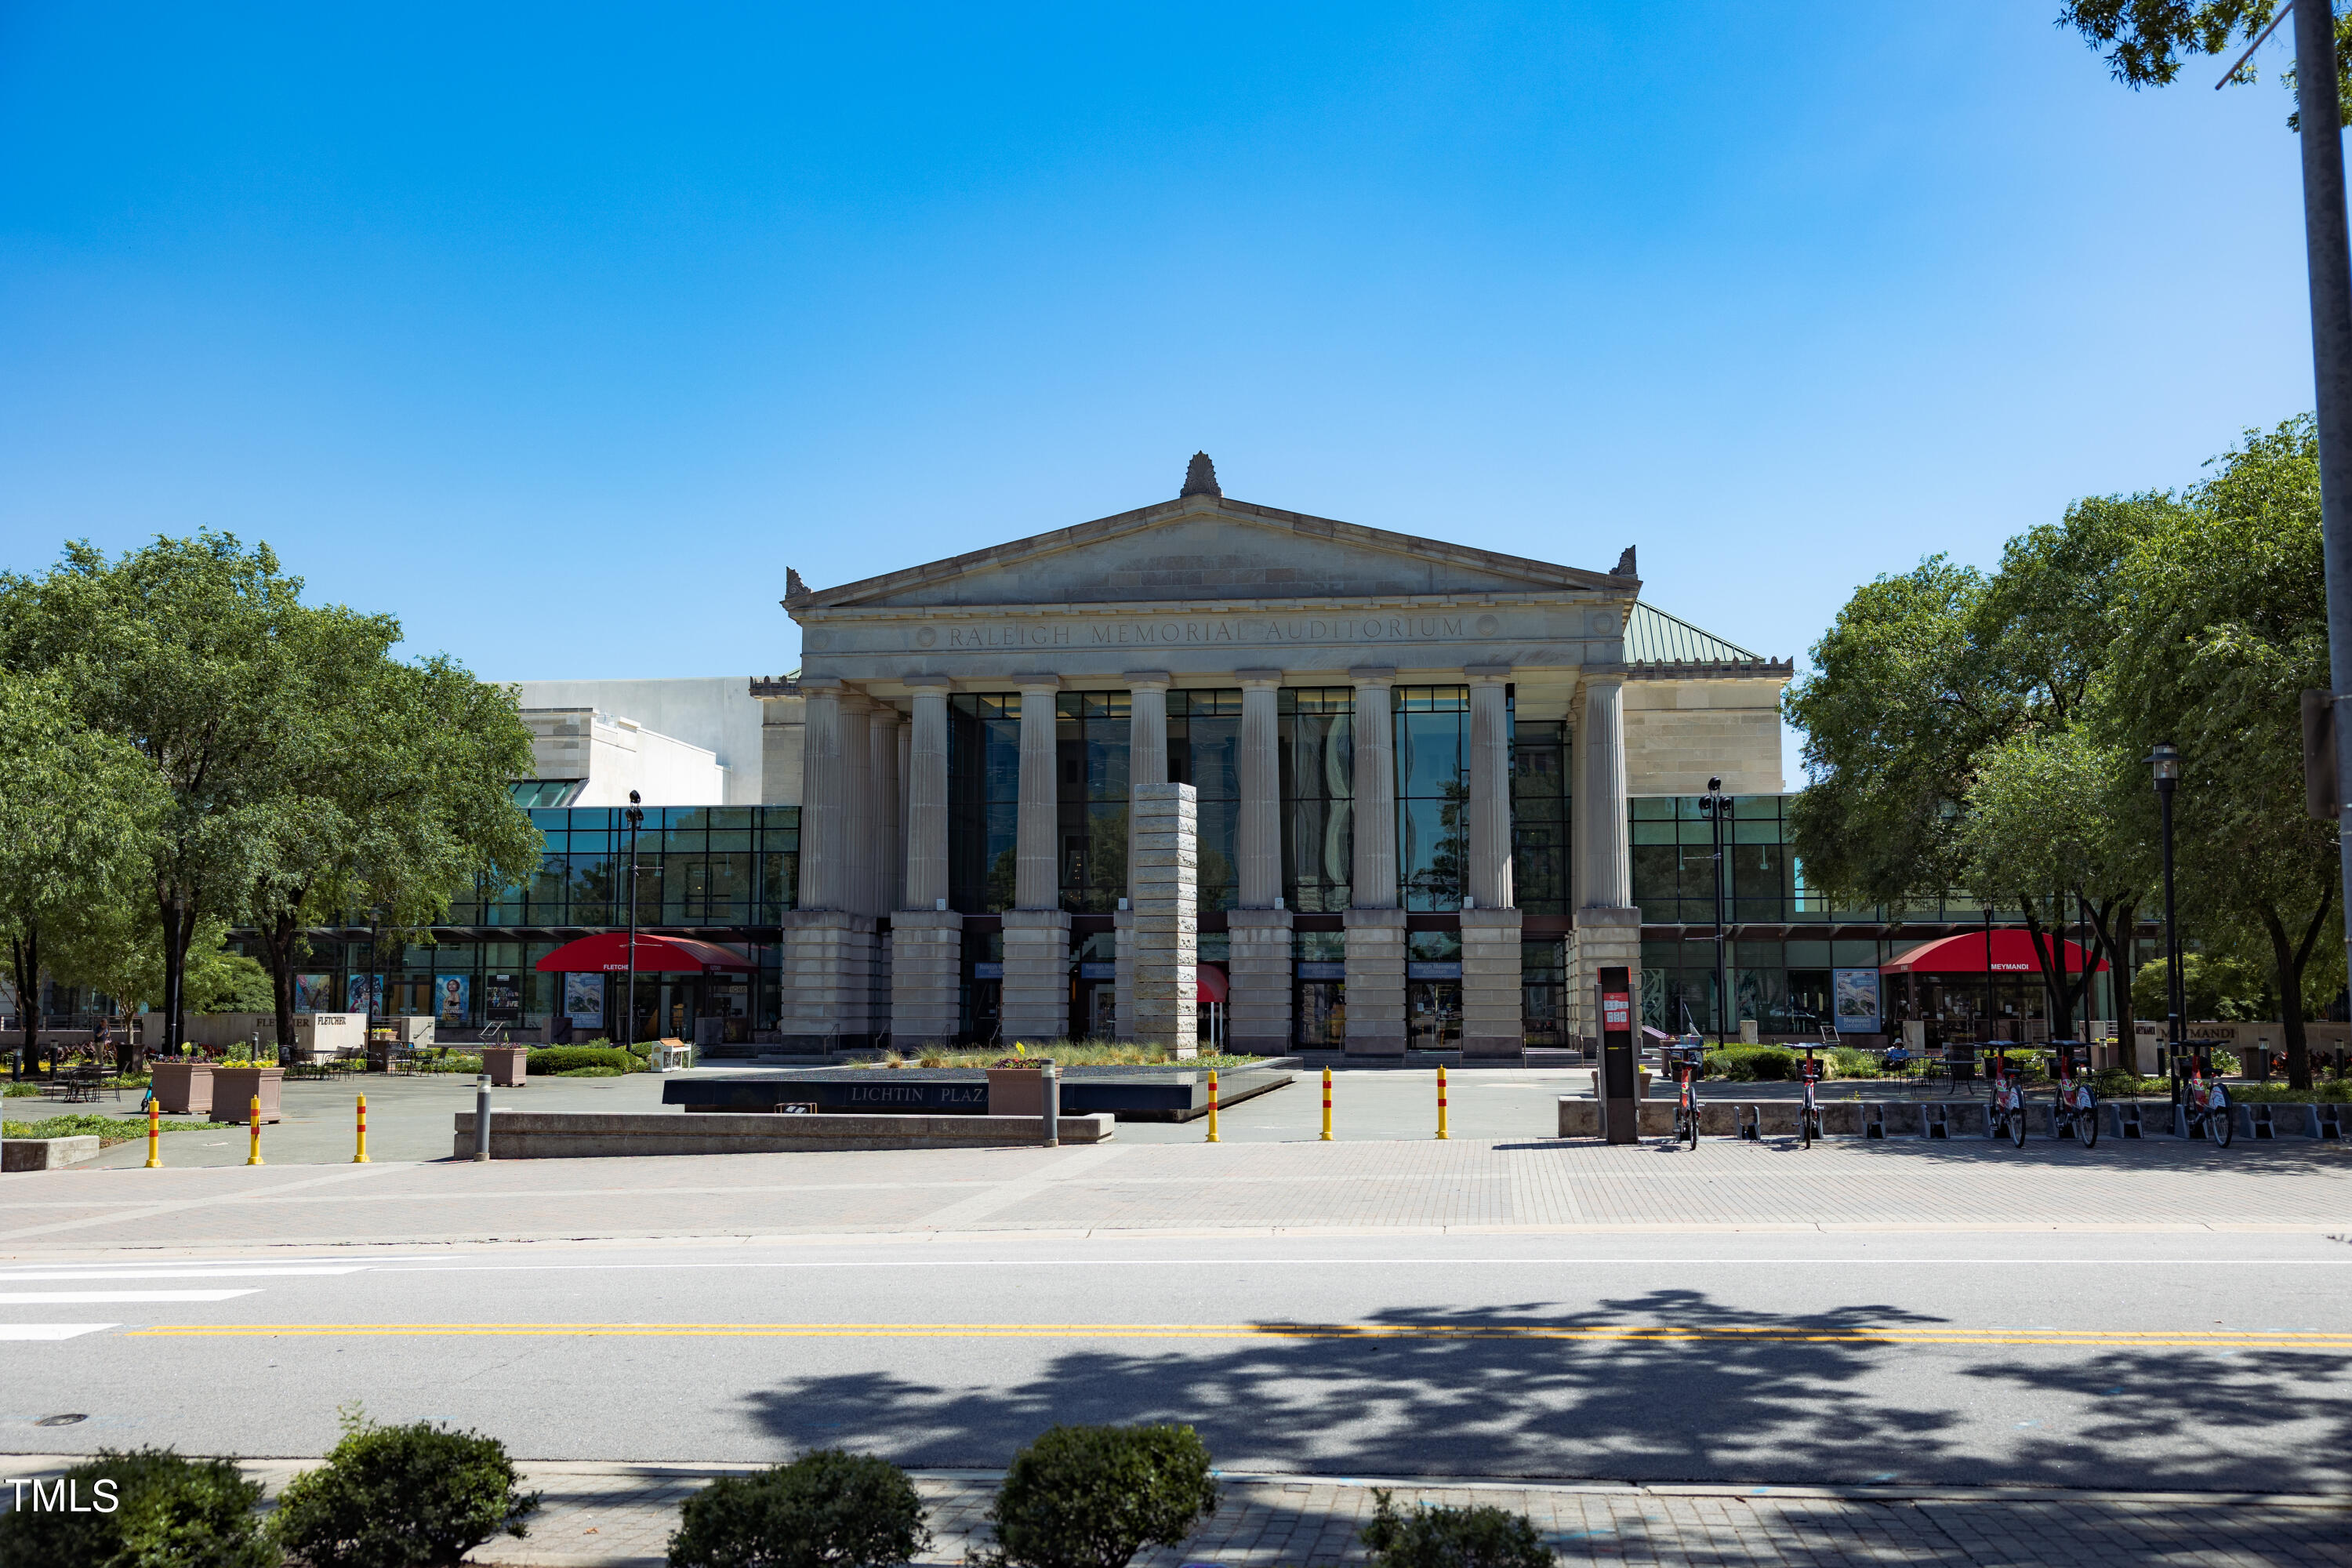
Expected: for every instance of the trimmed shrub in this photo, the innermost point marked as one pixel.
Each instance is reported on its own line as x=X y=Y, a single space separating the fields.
x=419 y=1496
x=1759 y=1063
x=825 y=1510
x=1093 y=1497
x=2339 y=1093
x=170 y=1513
x=1478 y=1537
x=544 y=1060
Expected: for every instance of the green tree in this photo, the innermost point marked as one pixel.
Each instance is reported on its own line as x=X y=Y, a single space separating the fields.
x=2222 y=621
x=75 y=808
x=2147 y=41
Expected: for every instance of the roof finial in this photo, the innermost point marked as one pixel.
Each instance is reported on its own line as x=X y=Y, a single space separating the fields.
x=1624 y=567
x=793 y=587
x=1200 y=478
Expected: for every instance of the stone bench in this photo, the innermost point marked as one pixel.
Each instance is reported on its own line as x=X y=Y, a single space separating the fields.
x=557 y=1135
x=47 y=1153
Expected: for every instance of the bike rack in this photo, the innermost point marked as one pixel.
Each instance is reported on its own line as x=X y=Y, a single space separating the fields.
x=2127 y=1120
x=1937 y=1124
x=1751 y=1128
x=2262 y=1122
x=1874 y=1120
x=2331 y=1120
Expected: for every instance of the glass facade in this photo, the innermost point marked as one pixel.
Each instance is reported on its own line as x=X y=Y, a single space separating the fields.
x=1432 y=789
x=983 y=800
x=1090 y=738
x=1204 y=748
x=697 y=865
x=1541 y=883
x=1318 y=759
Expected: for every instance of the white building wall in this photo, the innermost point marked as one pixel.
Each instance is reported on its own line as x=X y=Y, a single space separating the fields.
x=716 y=713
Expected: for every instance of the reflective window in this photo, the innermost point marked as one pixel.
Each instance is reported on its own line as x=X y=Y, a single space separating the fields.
x=983 y=799
x=1091 y=730
x=1317 y=748
x=1432 y=786
x=1204 y=739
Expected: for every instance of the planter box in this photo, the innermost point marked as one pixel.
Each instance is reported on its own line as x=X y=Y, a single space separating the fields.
x=545 y=1135
x=184 y=1088
x=1016 y=1091
x=235 y=1089
x=505 y=1064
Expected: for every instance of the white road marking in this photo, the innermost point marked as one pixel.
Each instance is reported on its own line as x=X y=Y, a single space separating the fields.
x=95 y=1297
x=289 y=1272
x=51 y=1331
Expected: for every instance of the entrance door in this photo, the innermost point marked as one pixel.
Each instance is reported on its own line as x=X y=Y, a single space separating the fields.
x=1322 y=1015
x=1433 y=1014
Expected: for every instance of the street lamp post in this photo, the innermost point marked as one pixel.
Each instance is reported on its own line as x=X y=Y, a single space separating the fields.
x=1715 y=806
x=629 y=1008
x=2165 y=759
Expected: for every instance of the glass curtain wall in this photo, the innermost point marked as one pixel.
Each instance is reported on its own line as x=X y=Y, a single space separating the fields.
x=1317 y=739
x=1090 y=738
x=983 y=800
x=1433 y=787
x=1204 y=737
x=1540 y=882
x=697 y=865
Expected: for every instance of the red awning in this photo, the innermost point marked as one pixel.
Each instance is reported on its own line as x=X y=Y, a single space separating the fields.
x=2013 y=953
x=608 y=952
x=1212 y=982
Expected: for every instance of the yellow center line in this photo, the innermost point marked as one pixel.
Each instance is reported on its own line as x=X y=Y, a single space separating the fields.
x=1620 y=1332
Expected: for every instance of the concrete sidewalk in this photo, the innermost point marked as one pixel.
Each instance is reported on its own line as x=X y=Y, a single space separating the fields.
x=620 y=1515
x=1533 y=1184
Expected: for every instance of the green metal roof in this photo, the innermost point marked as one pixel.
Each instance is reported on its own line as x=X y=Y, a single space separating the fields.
x=1653 y=637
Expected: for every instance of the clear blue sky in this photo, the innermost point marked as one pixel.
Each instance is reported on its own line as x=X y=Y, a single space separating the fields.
x=562 y=330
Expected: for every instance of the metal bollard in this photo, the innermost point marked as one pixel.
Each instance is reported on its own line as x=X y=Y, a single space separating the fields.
x=1326 y=1105
x=1050 y=1093
x=482 y=1119
x=253 y=1119
x=154 y=1134
x=361 y=1158
x=1441 y=1103
x=1212 y=1107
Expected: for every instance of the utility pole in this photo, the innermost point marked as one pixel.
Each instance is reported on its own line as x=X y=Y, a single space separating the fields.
x=2328 y=254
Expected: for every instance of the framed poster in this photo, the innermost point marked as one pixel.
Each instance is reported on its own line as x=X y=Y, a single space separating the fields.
x=362 y=993
x=583 y=1000
x=1856 y=1000
x=314 y=994
x=449 y=997
x=503 y=999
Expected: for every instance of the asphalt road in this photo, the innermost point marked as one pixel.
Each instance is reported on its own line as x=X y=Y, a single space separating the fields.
x=2178 y=1360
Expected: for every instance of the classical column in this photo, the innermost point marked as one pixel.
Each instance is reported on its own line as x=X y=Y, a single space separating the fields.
x=857 y=807
x=905 y=767
x=1037 y=931
x=1375 y=951
x=1258 y=1014
x=829 y=944
x=925 y=937
x=1608 y=931
x=1493 y=1024
x=823 y=784
x=1166 y=879
x=890 y=841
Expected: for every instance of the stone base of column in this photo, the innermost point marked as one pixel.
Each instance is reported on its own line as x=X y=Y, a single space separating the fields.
x=878 y=1009
x=926 y=977
x=1257 y=1015
x=828 y=979
x=1604 y=938
x=1493 y=1023
x=1037 y=975
x=1376 y=982
x=1122 y=925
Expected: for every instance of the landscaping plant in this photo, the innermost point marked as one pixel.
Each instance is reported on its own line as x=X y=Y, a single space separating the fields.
x=169 y=1512
x=418 y=1496
x=1092 y=1497
x=1477 y=1537
x=825 y=1510
x=545 y=1061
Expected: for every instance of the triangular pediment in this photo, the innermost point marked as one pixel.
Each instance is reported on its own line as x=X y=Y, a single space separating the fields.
x=1208 y=548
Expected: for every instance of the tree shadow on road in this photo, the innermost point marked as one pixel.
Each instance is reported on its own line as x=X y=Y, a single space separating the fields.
x=1755 y=1396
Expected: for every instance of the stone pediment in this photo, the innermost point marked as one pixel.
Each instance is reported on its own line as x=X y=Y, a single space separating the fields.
x=1202 y=548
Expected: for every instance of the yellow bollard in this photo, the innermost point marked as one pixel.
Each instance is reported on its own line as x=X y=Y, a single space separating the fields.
x=253 y=1115
x=1212 y=1106
x=1440 y=1102
x=361 y=1158
x=1326 y=1105
x=154 y=1134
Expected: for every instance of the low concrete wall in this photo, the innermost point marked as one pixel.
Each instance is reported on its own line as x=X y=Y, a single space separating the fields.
x=552 y=1135
x=45 y=1154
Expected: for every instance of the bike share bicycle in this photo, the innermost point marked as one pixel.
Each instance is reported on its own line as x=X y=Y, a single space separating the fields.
x=1808 y=1114
x=2201 y=1098
x=1687 y=1059
x=2008 y=1111
x=2074 y=1108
